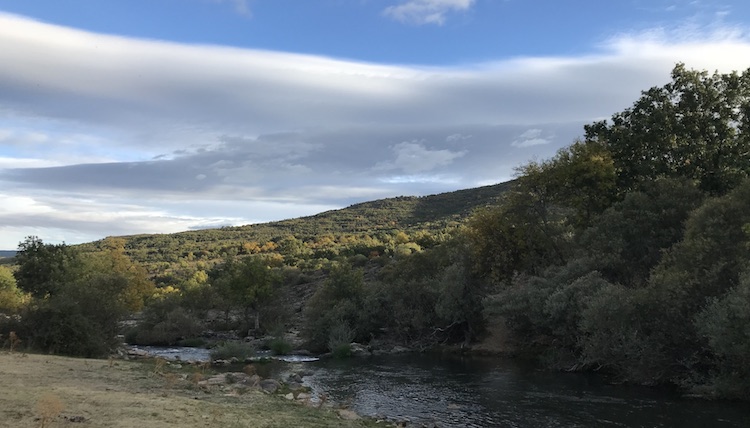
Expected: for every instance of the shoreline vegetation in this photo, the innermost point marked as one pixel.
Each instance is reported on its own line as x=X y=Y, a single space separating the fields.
x=47 y=390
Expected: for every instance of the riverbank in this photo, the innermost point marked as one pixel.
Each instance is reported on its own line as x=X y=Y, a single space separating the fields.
x=115 y=393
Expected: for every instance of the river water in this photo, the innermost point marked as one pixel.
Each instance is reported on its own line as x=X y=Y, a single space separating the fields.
x=480 y=392
x=456 y=391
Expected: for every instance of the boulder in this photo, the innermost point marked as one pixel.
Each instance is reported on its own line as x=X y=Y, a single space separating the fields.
x=270 y=386
x=359 y=350
x=348 y=415
x=399 y=350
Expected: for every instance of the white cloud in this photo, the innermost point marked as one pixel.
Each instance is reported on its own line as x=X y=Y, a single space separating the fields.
x=414 y=157
x=110 y=135
x=531 y=137
x=422 y=12
x=456 y=138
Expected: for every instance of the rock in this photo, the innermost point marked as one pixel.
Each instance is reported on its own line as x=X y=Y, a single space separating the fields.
x=295 y=377
x=305 y=373
x=399 y=350
x=348 y=415
x=295 y=386
x=289 y=396
x=139 y=353
x=253 y=380
x=176 y=366
x=219 y=379
x=303 y=396
x=270 y=385
x=220 y=362
x=359 y=350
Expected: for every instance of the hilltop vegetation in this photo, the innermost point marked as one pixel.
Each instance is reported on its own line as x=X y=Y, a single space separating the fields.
x=626 y=253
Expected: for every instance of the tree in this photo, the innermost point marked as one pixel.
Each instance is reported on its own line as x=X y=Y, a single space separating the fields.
x=337 y=306
x=43 y=269
x=11 y=298
x=695 y=126
x=245 y=283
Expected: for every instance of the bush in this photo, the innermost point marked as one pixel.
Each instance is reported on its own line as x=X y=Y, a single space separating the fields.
x=279 y=346
x=340 y=338
x=228 y=350
x=725 y=325
x=176 y=325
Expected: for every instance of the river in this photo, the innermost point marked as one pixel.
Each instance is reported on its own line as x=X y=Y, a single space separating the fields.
x=455 y=391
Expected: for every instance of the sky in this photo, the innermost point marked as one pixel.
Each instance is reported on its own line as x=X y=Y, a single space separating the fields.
x=122 y=117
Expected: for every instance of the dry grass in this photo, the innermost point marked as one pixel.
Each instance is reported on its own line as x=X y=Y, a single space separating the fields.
x=129 y=394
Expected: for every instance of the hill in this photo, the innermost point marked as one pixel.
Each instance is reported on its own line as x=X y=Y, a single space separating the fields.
x=432 y=213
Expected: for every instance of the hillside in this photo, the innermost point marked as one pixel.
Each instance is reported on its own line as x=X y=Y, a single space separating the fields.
x=405 y=213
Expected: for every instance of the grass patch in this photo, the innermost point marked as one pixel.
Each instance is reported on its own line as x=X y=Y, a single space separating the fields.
x=73 y=388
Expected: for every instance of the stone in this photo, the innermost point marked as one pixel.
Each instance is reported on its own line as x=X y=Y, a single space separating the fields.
x=399 y=350
x=270 y=385
x=135 y=352
x=348 y=415
x=289 y=396
x=303 y=396
x=359 y=350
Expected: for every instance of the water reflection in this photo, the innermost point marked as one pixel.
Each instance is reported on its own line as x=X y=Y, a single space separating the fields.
x=470 y=392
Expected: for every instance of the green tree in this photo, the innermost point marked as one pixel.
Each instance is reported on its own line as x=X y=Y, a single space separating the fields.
x=335 y=307
x=11 y=298
x=246 y=284
x=627 y=241
x=43 y=269
x=695 y=126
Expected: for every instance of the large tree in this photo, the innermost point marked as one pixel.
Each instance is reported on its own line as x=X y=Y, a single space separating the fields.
x=44 y=269
x=696 y=126
x=245 y=284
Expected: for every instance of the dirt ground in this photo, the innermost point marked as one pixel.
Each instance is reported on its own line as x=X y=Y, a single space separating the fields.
x=52 y=391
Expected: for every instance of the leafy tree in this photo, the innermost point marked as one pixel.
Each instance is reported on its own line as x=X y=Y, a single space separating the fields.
x=335 y=307
x=695 y=126
x=43 y=269
x=245 y=283
x=629 y=238
x=725 y=326
x=114 y=261
x=11 y=298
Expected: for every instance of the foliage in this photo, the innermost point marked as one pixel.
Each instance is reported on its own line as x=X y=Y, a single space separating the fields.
x=229 y=350
x=279 y=346
x=725 y=325
x=245 y=283
x=78 y=299
x=165 y=323
x=629 y=238
x=43 y=269
x=339 y=301
x=11 y=298
x=693 y=127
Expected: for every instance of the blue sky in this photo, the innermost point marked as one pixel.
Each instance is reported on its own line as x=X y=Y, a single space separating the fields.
x=133 y=116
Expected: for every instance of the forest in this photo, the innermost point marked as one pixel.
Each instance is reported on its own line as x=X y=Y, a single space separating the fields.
x=627 y=254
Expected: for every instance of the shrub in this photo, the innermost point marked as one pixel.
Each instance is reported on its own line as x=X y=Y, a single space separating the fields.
x=279 y=346
x=340 y=338
x=228 y=350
